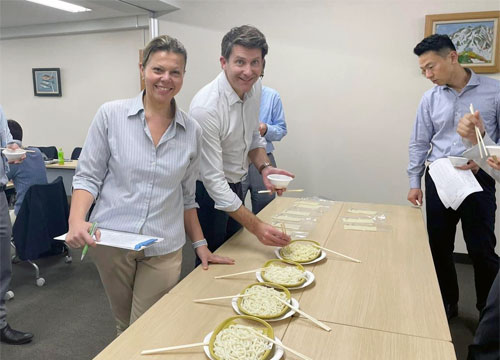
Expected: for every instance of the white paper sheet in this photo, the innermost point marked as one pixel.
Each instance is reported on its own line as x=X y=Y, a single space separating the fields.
x=120 y=239
x=364 y=212
x=453 y=185
x=358 y=220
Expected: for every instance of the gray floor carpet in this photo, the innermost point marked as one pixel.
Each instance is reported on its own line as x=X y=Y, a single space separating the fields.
x=71 y=319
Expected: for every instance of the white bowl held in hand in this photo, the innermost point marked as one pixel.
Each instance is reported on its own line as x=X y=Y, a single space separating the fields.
x=13 y=155
x=494 y=150
x=279 y=181
x=458 y=160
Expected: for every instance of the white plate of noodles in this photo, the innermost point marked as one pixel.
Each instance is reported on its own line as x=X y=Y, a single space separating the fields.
x=276 y=353
x=309 y=280
x=321 y=256
x=286 y=315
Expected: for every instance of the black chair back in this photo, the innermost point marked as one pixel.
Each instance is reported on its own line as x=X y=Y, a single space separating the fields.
x=43 y=216
x=49 y=151
x=76 y=153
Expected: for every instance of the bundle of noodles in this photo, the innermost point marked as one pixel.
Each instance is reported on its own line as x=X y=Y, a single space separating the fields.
x=237 y=342
x=301 y=251
x=237 y=339
x=263 y=302
x=282 y=272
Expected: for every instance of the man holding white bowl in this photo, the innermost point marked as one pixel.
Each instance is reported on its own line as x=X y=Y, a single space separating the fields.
x=228 y=111
x=7 y=334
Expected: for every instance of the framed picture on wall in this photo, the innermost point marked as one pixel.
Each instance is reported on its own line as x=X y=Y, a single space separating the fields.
x=476 y=35
x=47 y=82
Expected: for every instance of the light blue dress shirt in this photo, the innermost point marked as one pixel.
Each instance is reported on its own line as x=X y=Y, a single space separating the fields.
x=435 y=134
x=271 y=113
x=140 y=188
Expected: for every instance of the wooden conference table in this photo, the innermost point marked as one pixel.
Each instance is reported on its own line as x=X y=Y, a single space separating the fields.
x=67 y=171
x=387 y=307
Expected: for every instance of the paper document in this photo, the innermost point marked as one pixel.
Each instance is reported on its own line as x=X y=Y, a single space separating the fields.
x=123 y=240
x=453 y=185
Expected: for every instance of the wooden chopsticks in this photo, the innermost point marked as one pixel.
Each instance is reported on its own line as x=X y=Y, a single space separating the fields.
x=314 y=320
x=238 y=273
x=221 y=297
x=480 y=142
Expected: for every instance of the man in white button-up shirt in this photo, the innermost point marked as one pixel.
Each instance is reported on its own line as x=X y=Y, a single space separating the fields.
x=228 y=111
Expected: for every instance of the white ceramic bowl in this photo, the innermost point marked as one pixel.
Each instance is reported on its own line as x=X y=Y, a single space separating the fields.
x=13 y=155
x=458 y=160
x=279 y=181
x=494 y=150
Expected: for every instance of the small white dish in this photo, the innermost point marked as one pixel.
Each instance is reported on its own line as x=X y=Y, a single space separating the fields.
x=309 y=280
x=319 y=258
x=279 y=181
x=458 y=160
x=289 y=313
x=277 y=350
x=13 y=155
x=494 y=150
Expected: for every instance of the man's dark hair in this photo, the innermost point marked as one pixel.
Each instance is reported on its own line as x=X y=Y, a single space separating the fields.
x=438 y=43
x=246 y=36
x=15 y=130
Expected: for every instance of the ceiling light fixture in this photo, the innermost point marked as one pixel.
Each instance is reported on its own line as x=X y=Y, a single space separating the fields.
x=61 y=5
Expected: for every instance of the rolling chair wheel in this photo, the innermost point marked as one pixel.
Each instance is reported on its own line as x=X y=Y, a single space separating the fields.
x=40 y=282
x=9 y=295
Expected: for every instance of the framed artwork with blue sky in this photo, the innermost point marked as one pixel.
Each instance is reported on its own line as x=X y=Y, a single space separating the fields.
x=475 y=35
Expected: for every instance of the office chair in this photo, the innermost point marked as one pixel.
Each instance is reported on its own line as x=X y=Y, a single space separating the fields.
x=43 y=216
x=76 y=153
x=49 y=151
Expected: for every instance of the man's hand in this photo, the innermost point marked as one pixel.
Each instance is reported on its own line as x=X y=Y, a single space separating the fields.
x=493 y=162
x=262 y=129
x=14 y=146
x=471 y=165
x=415 y=195
x=206 y=257
x=466 y=127
x=78 y=235
x=267 y=183
x=269 y=235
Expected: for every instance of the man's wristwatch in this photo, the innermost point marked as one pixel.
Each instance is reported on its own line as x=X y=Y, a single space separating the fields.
x=263 y=166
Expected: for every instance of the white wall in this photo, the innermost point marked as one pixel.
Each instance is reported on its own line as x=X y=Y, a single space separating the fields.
x=94 y=68
x=349 y=81
x=348 y=78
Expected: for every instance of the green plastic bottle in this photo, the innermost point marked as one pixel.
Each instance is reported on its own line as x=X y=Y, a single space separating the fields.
x=60 y=156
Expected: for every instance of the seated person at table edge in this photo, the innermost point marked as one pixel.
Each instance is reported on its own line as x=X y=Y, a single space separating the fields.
x=435 y=128
x=228 y=111
x=30 y=172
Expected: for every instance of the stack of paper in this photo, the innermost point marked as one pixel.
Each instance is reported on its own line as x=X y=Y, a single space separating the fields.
x=123 y=240
x=453 y=185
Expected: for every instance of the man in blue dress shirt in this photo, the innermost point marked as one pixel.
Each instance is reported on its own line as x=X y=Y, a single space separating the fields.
x=272 y=127
x=434 y=136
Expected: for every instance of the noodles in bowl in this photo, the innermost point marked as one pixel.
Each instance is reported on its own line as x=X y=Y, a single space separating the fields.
x=262 y=301
x=235 y=339
x=284 y=272
x=301 y=251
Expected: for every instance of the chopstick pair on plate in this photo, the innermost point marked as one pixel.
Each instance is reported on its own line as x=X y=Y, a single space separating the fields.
x=479 y=137
x=283 y=229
